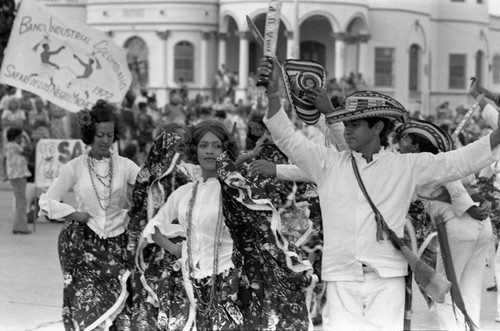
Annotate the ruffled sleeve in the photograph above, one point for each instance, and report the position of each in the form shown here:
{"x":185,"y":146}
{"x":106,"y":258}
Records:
{"x":166,"y":218}
{"x":50,"y":202}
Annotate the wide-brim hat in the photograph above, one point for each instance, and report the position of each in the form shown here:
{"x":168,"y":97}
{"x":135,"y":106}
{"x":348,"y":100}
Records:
{"x":430,"y":132}
{"x":364,"y":104}
{"x":299,"y":75}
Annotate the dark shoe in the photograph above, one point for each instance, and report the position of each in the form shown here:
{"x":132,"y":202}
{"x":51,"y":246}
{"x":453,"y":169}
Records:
{"x":21,"y":232}
{"x":492,"y":288}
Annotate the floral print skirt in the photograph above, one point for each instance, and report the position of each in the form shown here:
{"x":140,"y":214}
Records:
{"x":95,"y":279}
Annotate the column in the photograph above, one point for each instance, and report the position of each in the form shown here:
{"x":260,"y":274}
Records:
{"x":243,"y":67}
{"x":363,"y":60}
{"x":426,"y":59}
{"x":290,"y":45}
{"x":339,"y":54}
{"x":205,"y":36}
{"x":222,"y":49}
{"x":163,"y":35}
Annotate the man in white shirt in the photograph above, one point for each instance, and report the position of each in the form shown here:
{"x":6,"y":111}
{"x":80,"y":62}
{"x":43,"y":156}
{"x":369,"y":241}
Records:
{"x":365,"y":275}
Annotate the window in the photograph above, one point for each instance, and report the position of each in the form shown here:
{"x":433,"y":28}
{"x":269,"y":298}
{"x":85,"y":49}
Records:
{"x":184,"y":61}
{"x":414,"y":81}
{"x":479,"y":67}
{"x":457,"y":71}
{"x":496,"y":69}
{"x":384,"y":58}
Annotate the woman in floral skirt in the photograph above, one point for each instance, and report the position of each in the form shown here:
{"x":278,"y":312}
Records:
{"x":92,"y":243}
{"x":233,"y":268}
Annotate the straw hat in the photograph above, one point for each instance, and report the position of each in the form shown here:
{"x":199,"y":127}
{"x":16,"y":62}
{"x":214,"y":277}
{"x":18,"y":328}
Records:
{"x":298,"y":76}
{"x":429,"y":131}
{"x":365,"y":104}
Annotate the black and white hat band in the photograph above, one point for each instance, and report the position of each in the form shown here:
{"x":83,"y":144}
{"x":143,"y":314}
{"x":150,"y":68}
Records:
{"x":365,"y":104}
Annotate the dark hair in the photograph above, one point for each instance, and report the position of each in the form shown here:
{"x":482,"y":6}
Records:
{"x":172,"y":127}
{"x":195,"y":134}
{"x":205,"y":111}
{"x":423,"y":143}
{"x":102,"y":111}
{"x":388,"y":128}
{"x":13,"y":133}
{"x":220,"y":114}
{"x":256,"y":128}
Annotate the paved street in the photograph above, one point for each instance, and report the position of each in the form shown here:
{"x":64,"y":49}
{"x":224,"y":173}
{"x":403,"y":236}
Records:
{"x":31,"y":284}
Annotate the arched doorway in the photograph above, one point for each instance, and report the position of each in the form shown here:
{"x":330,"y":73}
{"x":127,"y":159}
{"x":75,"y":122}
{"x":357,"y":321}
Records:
{"x":317,"y":46}
{"x":313,"y":51}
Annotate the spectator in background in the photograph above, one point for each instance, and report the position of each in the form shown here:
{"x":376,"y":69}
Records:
{"x":360,"y":83}
{"x":152,"y":108}
{"x":13,"y":116}
{"x":145,"y":127}
{"x":16,"y":166}
{"x":205,"y":114}
{"x":57,"y":114}
{"x":173,"y":111}
{"x":183,"y":89}
{"x":234,"y":116}
{"x":221,"y":116}
{"x":260,"y":105}
{"x":128,"y":142}
{"x":194,"y":106}
{"x":219,"y":91}
{"x":10,"y":93}
{"x":39,"y":121}
{"x":207,"y":102}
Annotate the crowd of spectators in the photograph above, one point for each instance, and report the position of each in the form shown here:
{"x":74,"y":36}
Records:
{"x":143,"y":116}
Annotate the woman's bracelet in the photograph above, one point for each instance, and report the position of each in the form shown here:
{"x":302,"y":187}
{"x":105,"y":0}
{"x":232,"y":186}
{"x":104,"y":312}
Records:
{"x":273,"y":94}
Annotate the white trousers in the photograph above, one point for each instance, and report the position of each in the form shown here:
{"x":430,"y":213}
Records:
{"x":469,"y":242}
{"x":373,"y":304}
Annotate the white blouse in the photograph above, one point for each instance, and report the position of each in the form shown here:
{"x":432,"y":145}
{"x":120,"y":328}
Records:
{"x":206,"y":212}
{"x":75,"y":175}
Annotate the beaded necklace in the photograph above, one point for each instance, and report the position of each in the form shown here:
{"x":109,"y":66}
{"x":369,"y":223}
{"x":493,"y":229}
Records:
{"x":217,"y":243}
{"x":93,"y":173}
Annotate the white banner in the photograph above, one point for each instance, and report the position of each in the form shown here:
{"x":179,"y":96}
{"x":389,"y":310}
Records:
{"x":51,"y":155}
{"x":63,"y":61}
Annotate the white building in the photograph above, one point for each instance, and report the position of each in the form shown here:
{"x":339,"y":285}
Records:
{"x":422,"y":52}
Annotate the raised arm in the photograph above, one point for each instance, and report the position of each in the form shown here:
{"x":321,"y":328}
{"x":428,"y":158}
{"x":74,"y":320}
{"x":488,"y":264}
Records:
{"x":311,"y":157}
{"x":79,"y":60}
{"x":271,"y":72}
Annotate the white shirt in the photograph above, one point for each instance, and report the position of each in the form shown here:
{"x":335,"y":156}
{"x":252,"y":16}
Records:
{"x":75,"y":174}
{"x":490,"y":116}
{"x":348,"y":221}
{"x":460,"y":202}
{"x":205,"y":215}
